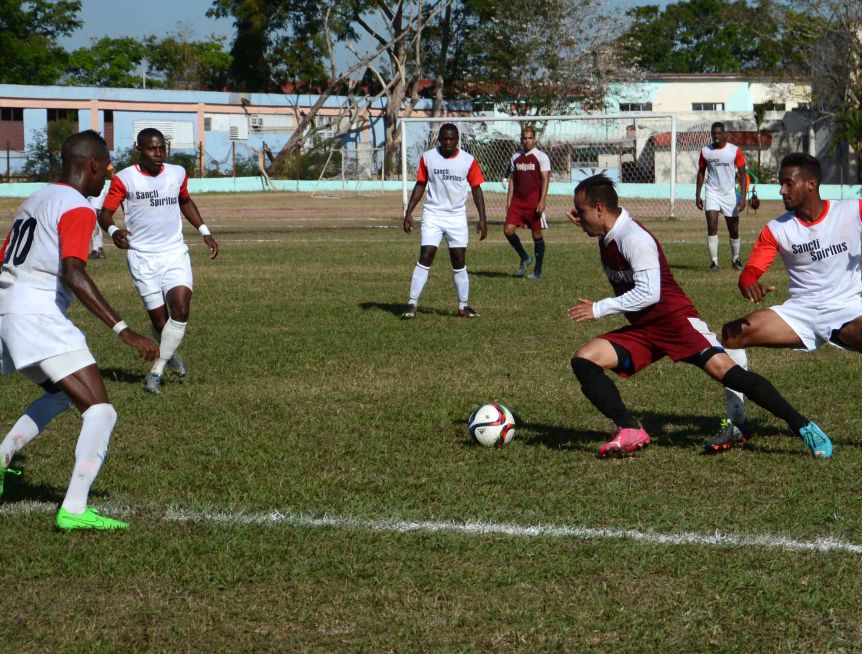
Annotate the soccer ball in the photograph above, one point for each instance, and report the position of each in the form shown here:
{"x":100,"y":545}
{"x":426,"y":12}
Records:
{"x":491,"y":425}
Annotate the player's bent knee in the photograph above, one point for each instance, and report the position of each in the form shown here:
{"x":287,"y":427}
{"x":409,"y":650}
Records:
{"x":584,"y":369}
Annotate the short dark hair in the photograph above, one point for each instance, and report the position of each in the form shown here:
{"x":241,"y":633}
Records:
{"x":599,"y":189}
{"x":808,"y":164}
{"x":717,"y":124}
{"x":81,"y":146}
{"x":148,"y":132}
{"x":447,"y":127}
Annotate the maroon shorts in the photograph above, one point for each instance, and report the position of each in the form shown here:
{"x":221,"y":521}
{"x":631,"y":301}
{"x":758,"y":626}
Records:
{"x":523,"y":214}
{"x":676,"y":336}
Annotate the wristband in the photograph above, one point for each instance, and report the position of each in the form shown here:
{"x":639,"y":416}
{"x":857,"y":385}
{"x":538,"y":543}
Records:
{"x":112,"y":229}
{"x":204,"y":230}
{"x":119,"y":327}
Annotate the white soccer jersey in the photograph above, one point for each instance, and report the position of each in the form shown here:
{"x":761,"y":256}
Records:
{"x":821,"y":258}
{"x":54,"y":223}
{"x":449,"y":181}
{"x":721,"y":165}
{"x":151,"y":206}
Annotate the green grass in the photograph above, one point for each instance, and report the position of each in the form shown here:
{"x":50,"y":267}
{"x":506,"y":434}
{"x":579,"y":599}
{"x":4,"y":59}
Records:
{"x":307,"y":395}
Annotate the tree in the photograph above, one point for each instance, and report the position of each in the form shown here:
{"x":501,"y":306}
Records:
{"x":42,"y":160}
{"x":847,"y":128}
{"x":178,"y":62}
{"x":107,"y":62}
{"x":28,"y":39}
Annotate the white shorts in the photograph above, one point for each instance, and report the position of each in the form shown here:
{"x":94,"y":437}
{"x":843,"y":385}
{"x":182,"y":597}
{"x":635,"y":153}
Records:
{"x":435,"y":228}
{"x":156,"y":273}
{"x":815,"y":325}
{"x":50,"y":343}
{"x":724,"y":204}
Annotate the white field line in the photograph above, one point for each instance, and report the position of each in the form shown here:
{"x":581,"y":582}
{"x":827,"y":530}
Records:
{"x":304,"y":520}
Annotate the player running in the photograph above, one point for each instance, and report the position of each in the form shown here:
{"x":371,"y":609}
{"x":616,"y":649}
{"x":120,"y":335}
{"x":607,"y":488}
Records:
{"x":819,"y":242}
{"x":663,"y":322}
{"x":155,"y":197}
{"x":44,"y":265}
{"x":720,"y":164}
{"x":449,"y":173}
{"x":529,"y":173}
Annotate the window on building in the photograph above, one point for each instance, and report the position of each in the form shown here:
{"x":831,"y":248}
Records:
{"x":707,"y":106}
{"x":12,"y":129}
{"x":626,"y":107}
{"x":62,"y":114}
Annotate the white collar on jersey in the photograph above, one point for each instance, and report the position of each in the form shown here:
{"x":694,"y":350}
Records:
{"x":620,"y":222}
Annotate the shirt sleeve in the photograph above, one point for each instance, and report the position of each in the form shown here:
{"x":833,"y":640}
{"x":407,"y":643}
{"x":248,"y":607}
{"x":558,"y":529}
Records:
{"x":474,"y":175}
{"x":740,"y":158}
{"x":701,"y":162}
{"x":762,"y":256}
{"x":116,"y":194}
{"x":640,"y":250}
{"x":422,"y":173}
{"x":184,"y":189}
{"x":75,"y":228}
{"x":544,"y":162}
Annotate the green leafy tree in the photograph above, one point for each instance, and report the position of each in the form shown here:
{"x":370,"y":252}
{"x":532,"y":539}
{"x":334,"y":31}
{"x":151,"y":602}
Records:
{"x":178,"y":62}
{"x":28,"y":39}
{"x":107,"y":62}
{"x":847,"y":128}
{"x":42,"y":158}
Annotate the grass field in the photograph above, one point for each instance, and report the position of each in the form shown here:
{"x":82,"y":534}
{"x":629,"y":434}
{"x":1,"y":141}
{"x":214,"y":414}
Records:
{"x":310,"y":486}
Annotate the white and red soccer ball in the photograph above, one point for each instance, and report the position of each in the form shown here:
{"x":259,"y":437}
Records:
{"x":491,"y":425}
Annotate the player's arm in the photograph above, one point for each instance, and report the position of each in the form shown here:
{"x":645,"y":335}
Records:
{"x":742,"y":176}
{"x":479,"y":201}
{"x":415,"y":197}
{"x":113,"y":200}
{"x":701,"y":178}
{"x":193,"y":215}
{"x":762,"y":256}
{"x":545,"y":170}
{"x":510,"y":192}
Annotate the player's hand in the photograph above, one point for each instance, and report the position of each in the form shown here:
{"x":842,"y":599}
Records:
{"x":572,"y":215}
{"x":408,"y":223}
{"x":540,"y":208}
{"x":740,"y":207}
{"x":582,"y":311}
{"x":482,"y":229}
{"x":756,"y":292}
{"x":121,"y":238}
{"x":699,"y":204}
{"x":145,"y":347}
{"x":212,"y":245}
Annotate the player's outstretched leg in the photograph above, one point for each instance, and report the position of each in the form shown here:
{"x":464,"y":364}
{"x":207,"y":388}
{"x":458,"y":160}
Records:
{"x":539,"y":244}
{"x":525,"y":259}
{"x":629,"y":436}
{"x":735,"y":428}
{"x":90,"y":453}
{"x":172,"y":335}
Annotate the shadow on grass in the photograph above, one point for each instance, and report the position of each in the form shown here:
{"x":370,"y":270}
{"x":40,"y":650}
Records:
{"x":489,"y":273}
{"x":123,"y":376}
{"x":398,"y":309}
{"x":16,"y":489}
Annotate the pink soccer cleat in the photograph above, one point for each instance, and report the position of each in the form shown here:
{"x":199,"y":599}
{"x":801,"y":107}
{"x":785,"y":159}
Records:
{"x":625,"y":441}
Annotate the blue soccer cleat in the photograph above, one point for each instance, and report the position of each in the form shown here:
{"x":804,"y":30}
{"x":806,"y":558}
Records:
{"x":816,"y":440}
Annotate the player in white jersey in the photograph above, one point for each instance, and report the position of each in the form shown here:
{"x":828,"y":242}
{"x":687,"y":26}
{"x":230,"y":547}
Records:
{"x":44,"y":265}
{"x":155,"y":198}
{"x":720,"y":164}
{"x":448,"y":173}
{"x":819,"y":243}
{"x":97,"y":243}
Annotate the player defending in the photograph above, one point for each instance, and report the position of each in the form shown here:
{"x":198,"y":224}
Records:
{"x":530,"y":173}
{"x":663,"y":322}
{"x":44,"y":264}
{"x":721,"y":163}
{"x":155,"y":197}
{"x":449,"y":173}
{"x":819,"y":242}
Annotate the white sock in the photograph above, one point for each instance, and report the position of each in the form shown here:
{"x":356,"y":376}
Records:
{"x":36,"y":416}
{"x":172,"y":336}
{"x":712,"y":242}
{"x":462,"y":286}
{"x":420,"y":276}
{"x":90,"y":452}
{"x":734,"y":400}
{"x":734,"y":249}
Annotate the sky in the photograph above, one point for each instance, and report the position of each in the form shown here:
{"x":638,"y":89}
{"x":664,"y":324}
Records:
{"x":137,"y":18}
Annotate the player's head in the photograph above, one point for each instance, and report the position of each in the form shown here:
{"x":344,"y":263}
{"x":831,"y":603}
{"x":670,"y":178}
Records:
{"x":596,"y":205}
{"x":448,"y":138}
{"x":150,"y":145}
{"x":85,"y":160}
{"x":716,"y":133}
{"x":528,"y":137}
{"x":799,"y":178}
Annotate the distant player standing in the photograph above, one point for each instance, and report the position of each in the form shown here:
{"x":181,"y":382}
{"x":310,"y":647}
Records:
{"x":155,"y":197}
{"x":819,"y":242}
{"x":449,"y":173}
{"x":97,"y":244}
{"x":663,"y":321}
{"x":720,"y":164}
{"x":44,"y":264}
{"x":530,"y":173}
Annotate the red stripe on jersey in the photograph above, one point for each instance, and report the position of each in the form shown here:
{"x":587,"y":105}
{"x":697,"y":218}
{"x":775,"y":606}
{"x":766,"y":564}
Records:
{"x":5,"y":245}
{"x":116,"y":194}
{"x":184,"y":189}
{"x":701,"y":163}
{"x":474,"y":175}
{"x":740,"y":159}
{"x":860,"y":218}
{"x":761,"y":257}
{"x":75,"y":228}
{"x":422,"y":173}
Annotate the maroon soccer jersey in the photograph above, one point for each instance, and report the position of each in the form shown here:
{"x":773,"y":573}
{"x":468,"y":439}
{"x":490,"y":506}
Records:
{"x":526,"y":170}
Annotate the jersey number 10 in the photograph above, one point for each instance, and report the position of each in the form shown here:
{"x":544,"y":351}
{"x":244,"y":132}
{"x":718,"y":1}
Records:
{"x":21,"y":241}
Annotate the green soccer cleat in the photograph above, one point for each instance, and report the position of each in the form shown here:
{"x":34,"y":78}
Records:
{"x":816,"y":440}
{"x":4,"y":472}
{"x":89,"y":519}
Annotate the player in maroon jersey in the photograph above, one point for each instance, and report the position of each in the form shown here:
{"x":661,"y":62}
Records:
{"x":663,"y":322}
